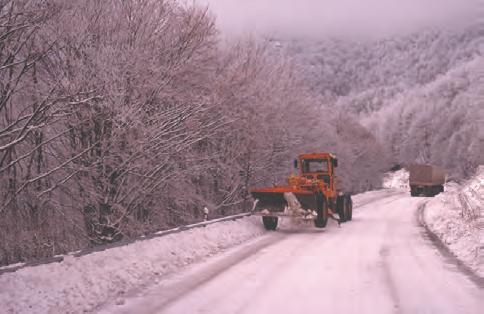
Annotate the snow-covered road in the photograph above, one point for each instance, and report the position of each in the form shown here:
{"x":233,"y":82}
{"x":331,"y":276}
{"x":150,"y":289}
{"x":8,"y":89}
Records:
{"x":381,"y":262}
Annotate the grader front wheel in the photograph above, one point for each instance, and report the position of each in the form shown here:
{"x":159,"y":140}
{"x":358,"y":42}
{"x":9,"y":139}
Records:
{"x":322,"y":210}
{"x":270,"y":223}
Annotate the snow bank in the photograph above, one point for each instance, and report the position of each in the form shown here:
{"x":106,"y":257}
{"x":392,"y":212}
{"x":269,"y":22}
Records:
{"x":79,"y":285}
{"x":456,"y":217}
{"x":396,"y":180}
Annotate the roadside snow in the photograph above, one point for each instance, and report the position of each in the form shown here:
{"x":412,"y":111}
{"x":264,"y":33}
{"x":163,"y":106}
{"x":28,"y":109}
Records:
{"x":396,"y":180}
{"x":78,"y":285}
{"x":457,"y":218}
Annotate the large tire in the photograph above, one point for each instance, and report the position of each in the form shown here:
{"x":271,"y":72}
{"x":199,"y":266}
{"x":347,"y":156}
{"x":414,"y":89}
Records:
{"x":341,"y":208}
{"x":429,"y":191}
{"x":436,"y":190}
{"x":322,"y":210}
{"x":349,"y":207}
{"x":413,"y":192}
{"x":270,"y":223}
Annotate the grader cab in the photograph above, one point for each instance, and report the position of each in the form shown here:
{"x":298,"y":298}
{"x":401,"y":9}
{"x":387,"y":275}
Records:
{"x":311,"y":195}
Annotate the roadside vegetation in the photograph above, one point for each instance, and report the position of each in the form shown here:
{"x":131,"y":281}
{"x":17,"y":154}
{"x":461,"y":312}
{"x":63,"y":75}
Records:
{"x":120,"y":118}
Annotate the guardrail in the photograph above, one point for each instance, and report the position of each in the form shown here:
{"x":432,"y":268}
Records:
{"x":60,"y":258}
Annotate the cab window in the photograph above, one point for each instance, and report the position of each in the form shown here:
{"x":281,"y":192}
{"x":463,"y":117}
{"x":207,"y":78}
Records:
{"x":315,"y":165}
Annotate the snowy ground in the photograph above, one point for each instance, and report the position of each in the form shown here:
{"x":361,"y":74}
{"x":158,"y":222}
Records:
{"x":377,"y":263}
{"x":396,"y":180}
{"x":82,"y":284}
{"x":79,"y":285}
{"x":457,"y":218}
{"x":379,"y":260}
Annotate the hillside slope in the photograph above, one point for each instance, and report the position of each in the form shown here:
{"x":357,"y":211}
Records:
{"x":420,"y":94}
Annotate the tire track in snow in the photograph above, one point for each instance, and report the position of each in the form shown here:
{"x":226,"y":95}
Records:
{"x":213,"y":270}
{"x":388,"y":278}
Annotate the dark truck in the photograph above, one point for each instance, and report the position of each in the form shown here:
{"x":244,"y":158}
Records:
{"x":426,"y":180}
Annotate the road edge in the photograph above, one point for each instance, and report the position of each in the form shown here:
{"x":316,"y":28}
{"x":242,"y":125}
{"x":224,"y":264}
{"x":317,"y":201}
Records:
{"x":445,"y":251}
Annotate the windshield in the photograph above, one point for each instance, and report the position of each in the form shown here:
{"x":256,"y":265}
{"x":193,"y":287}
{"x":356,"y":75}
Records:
{"x":315,"y":165}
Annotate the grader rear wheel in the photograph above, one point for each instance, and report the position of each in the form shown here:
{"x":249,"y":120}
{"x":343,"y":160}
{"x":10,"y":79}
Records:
{"x":341,"y":208}
{"x":349,"y":207}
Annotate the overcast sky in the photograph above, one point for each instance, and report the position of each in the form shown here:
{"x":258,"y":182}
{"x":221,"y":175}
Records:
{"x":316,"y":17}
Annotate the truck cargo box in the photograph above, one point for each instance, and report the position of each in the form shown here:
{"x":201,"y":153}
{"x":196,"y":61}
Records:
{"x":426,"y":175}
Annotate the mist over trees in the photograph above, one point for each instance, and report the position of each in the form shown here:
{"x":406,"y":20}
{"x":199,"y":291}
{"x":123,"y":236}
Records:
{"x":419,"y":94}
{"x":119,"y":118}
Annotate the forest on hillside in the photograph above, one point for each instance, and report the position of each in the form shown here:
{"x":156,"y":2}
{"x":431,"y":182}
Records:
{"x":420,"y":94}
{"x":120,"y":118}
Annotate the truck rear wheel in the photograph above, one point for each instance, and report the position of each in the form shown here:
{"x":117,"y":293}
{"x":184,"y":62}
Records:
{"x":270,"y":223}
{"x":435,"y":190}
{"x":413,"y":191}
{"x":322,"y":210}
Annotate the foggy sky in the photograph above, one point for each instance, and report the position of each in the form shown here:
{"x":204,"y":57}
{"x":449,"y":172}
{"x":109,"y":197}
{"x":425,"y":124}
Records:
{"x":316,"y":17}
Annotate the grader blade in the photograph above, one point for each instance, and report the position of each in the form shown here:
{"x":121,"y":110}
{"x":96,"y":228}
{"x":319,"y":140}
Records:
{"x":277,"y":199}
{"x":271,"y":201}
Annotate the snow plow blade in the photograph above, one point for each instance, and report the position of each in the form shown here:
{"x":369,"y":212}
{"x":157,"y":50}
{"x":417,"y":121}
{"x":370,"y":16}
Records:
{"x":273,"y":199}
{"x":304,"y":216}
